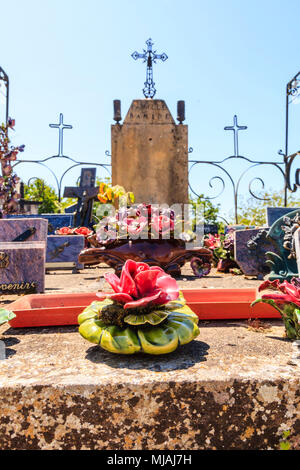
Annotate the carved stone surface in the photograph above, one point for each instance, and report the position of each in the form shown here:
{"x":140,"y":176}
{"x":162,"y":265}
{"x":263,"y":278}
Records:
{"x":55,"y":221}
{"x":275,"y":213}
{"x":282,"y":260}
{"x":22,"y":267}
{"x":297,"y":247}
{"x":64,"y":249}
{"x":13,"y":228}
{"x":250,"y":248}
{"x":170,"y":255}
{"x":150,"y":154}
{"x":230,"y":389}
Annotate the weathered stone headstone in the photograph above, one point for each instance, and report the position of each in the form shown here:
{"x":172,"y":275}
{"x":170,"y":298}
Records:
{"x":211,"y":228}
{"x":55,"y":221}
{"x":297,"y":247}
{"x":282,"y":259}
{"x":237,"y":227}
{"x":275,"y":213}
{"x":63,"y":251}
{"x":22,"y":267}
{"x":23,"y":229}
{"x":150,"y":154}
{"x":250,"y":248}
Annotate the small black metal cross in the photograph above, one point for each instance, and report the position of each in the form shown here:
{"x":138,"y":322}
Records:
{"x":150,"y":57}
{"x":86,"y":194}
{"x":61,"y":126}
{"x":235,"y":128}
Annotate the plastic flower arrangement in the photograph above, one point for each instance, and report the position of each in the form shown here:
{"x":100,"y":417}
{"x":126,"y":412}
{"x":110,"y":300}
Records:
{"x":145,"y":313}
{"x":143,"y":221}
{"x":108,"y":194}
{"x":222,"y":247}
{"x":286,"y":301}
{"x":86,"y":232}
{"x":8,"y":180}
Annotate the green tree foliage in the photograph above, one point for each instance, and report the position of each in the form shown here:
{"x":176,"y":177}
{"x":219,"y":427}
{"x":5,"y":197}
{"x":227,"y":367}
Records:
{"x":205,"y":210}
{"x":38,"y":190}
{"x":253,"y":211}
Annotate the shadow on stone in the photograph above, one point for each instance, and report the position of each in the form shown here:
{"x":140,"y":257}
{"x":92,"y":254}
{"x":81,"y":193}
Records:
{"x":10,"y":341}
{"x":183,"y":358}
{"x":47,"y":330}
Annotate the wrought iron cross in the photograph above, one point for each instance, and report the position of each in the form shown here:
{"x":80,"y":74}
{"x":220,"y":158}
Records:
{"x":235,"y":128}
{"x":61,"y":127}
{"x":150,"y":57}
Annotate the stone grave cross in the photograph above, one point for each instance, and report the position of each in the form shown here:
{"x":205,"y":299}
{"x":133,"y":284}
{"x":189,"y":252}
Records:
{"x":86,"y":193}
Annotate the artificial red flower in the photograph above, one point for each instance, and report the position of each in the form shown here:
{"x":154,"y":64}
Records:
{"x":290,"y":291}
{"x":65,"y":231}
{"x":83,"y":231}
{"x":140,"y":286}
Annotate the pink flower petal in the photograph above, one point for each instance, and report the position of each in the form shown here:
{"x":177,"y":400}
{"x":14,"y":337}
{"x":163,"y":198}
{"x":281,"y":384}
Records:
{"x":168,"y":285}
{"x":143,"y":301}
{"x":127,"y":283}
{"x":121,"y":298}
{"x":146,"y":282}
{"x":113,"y":281}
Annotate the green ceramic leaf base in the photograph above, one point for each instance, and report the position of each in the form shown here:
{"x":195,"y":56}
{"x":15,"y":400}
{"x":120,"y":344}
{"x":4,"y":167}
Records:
{"x":162,"y":333}
{"x":6,"y":315}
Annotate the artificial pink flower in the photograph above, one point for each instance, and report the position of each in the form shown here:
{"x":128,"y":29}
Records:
{"x":290,"y":291}
{"x":141,"y":285}
{"x":135,"y":226}
{"x":162,"y":224}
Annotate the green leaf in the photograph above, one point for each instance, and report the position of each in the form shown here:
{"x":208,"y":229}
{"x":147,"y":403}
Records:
{"x":268,"y":301}
{"x":285,"y":445}
{"x":6,"y":315}
{"x":153,"y":318}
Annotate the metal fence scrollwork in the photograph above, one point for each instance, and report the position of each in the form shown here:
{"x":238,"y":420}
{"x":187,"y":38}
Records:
{"x":74,"y":163}
{"x":284,"y":167}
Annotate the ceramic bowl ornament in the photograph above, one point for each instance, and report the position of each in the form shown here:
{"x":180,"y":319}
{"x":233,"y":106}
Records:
{"x":146,"y":313}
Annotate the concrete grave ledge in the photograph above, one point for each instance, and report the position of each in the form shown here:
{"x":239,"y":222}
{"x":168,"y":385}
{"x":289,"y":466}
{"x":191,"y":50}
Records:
{"x":233,"y":388}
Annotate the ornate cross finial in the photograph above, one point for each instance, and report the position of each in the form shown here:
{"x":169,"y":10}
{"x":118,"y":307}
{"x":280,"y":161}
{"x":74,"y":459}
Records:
{"x":61,"y":126}
{"x":235,"y":128}
{"x":150,"y":57}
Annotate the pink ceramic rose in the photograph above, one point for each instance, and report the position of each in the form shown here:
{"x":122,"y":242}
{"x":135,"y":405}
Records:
{"x":140,"y":286}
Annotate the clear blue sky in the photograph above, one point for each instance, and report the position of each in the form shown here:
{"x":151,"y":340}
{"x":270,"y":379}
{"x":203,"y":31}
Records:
{"x":225,"y":58}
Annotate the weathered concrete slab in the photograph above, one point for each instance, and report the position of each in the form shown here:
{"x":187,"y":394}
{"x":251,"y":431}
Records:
{"x":233,"y":388}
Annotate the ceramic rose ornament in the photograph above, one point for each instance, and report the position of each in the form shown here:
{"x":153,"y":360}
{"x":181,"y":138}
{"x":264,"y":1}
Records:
{"x":145,"y":313}
{"x":286,"y":300}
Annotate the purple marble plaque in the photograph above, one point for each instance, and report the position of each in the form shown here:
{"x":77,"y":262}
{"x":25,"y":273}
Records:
{"x":250,"y":248}
{"x":63,"y":251}
{"x":31,"y":229}
{"x":22,"y":267}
